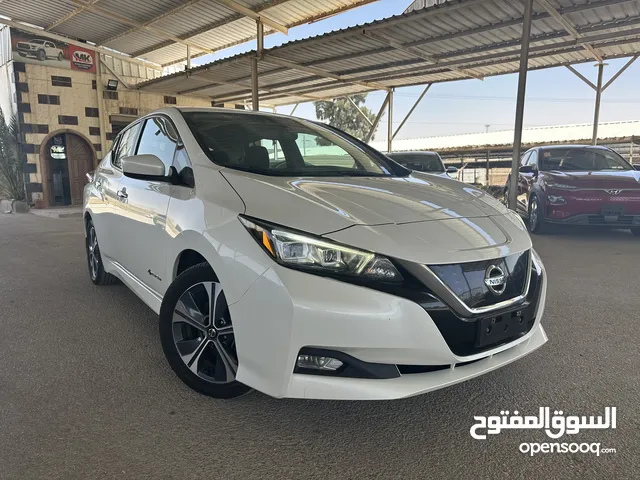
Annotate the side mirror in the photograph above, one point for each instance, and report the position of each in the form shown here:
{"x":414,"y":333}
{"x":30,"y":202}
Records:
{"x":526,"y":169}
{"x":144,"y":167}
{"x":452,"y":169}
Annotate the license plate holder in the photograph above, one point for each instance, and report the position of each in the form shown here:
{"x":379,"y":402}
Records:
{"x":496,"y":328}
{"x":612,"y":210}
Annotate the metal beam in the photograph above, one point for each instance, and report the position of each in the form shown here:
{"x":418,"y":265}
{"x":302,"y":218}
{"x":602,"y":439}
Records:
{"x":269,"y":58}
{"x":413,"y":51}
{"x":522,"y":88}
{"x":372,"y":130}
{"x":596,"y":113}
{"x":581,"y":77}
{"x":236,"y":7}
{"x":620,"y":72}
{"x":568,"y":27}
{"x":359,"y":111}
{"x":69,"y":16}
{"x":390,"y":124}
{"x":188,"y":65}
{"x":424,"y":92}
{"x":127,"y":21}
{"x":294,"y":109}
{"x":101,"y":110}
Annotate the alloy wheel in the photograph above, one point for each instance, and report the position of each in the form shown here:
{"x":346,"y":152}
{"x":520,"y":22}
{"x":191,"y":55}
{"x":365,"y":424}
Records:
{"x":533,"y":213}
{"x":93,"y":252}
{"x":203,"y":333}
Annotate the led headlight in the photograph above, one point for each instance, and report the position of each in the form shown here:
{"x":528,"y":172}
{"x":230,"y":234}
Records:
{"x":561,"y":186}
{"x":297,"y":250}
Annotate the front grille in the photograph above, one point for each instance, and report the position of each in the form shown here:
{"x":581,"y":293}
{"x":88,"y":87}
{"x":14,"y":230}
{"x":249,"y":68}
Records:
{"x":467,"y":280}
{"x":461,"y":334}
{"x":600,"y":219}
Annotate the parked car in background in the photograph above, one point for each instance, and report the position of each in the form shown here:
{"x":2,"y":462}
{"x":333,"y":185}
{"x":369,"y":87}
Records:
{"x":578,"y":185}
{"x":334,"y":274}
{"x":428,"y":162}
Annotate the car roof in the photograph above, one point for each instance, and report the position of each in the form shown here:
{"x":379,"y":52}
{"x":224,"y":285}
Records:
{"x":571,"y":146}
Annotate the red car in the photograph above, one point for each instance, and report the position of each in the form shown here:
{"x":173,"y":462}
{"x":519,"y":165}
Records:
{"x":578,"y":185}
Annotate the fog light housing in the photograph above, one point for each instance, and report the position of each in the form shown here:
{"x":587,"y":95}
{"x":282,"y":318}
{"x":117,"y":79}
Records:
{"x":314,"y":362}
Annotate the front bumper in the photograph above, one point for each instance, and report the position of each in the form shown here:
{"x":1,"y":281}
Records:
{"x":286,"y":310}
{"x":598,"y":220}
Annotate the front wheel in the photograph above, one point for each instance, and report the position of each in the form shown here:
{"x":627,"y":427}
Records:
{"x":536,"y":216}
{"x":197,"y":335}
{"x":60,"y":57}
{"x":94,"y":259}
{"x":42,"y":55}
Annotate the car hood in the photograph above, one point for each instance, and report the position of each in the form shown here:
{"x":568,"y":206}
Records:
{"x":321,"y":205}
{"x":605,"y":179}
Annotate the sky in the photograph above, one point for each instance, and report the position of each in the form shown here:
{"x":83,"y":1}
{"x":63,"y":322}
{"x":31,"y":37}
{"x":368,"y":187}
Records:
{"x":554,"y":96}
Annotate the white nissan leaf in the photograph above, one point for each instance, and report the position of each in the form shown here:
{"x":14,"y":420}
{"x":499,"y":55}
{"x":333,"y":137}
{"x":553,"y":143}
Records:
{"x":286,"y":256}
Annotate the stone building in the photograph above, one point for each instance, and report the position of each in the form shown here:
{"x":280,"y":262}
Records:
{"x":71,"y":101}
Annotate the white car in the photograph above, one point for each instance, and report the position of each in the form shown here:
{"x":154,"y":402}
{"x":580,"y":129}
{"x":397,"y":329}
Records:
{"x":39,"y":48}
{"x":275,"y":266}
{"x":424,"y":161}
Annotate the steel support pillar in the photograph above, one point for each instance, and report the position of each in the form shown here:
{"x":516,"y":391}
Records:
{"x":596,"y":112}
{"x":522,"y":88}
{"x":294,"y":109}
{"x":188,"y":57}
{"x":372,"y":130}
{"x":390,"y":126}
{"x":101,"y":109}
{"x":424,"y":92}
{"x":255,"y":96}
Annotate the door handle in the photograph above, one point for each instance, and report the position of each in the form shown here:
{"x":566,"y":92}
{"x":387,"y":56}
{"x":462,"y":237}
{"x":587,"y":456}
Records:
{"x":98,"y":183}
{"x":122,"y":194}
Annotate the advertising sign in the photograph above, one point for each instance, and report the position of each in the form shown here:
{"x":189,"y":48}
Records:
{"x":40,"y":50}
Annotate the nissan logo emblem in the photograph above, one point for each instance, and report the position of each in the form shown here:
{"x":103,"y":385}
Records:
{"x":495,"y":280}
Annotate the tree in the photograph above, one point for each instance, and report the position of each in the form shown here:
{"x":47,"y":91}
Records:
{"x":342,"y":114}
{"x":11,"y":168}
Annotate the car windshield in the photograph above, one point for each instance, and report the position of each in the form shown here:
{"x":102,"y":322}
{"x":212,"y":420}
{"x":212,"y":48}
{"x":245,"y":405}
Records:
{"x":581,"y":159}
{"x":277,"y":145}
{"x":422,"y":162}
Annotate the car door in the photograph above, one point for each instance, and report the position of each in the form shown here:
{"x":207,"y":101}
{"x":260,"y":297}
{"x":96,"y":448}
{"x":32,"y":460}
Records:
{"x":50,"y":49}
{"x":108,"y":178}
{"x":523,"y":185}
{"x":143,"y":208}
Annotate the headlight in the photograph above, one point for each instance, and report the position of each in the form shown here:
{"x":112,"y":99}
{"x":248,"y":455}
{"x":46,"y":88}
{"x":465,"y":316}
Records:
{"x":305,"y":252}
{"x":561,"y":186}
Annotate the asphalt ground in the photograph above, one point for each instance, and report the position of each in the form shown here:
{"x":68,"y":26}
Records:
{"x":85,"y":392}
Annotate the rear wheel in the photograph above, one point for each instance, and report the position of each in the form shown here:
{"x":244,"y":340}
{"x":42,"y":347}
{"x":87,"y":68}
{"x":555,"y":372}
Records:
{"x":42,"y":55}
{"x":197,"y":334}
{"x":536,"y":215}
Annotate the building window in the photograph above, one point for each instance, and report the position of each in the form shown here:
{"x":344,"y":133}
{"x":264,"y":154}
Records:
{"x":93,"y":84}
{"x":91,"y":112}
{"x":240,"y":107}
{"x":60,"y":81}
{"x":41,"y":128}
{"x":67,"y":120}
{"x":24,"y":107}
{"x":22,"y":87}
{"x":170,"y":100}
{"x":94,"y":130}
{"x":49,"y":99}
{"x":128,"y":111}
{"x":109,"y":95}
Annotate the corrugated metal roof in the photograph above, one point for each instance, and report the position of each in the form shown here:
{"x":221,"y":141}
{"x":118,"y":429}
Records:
{"x":148,"y":30}
{"x":530,"y":136}
{"x":454,"y":40}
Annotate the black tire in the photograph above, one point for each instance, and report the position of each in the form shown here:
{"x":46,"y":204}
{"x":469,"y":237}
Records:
{"x":60,"y":57}
{"x":536,"y":215}
{"x":94,"y":259}
{"x":635,"y":232}
{"x":205,"y":361}
{"x":42,"y":55}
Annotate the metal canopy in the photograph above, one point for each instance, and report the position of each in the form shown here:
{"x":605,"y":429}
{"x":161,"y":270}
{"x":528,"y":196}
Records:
{"x":456,"y":40}
{"x":160,"y":31}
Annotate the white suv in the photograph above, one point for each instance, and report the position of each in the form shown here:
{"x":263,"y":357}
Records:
{"x":284,"y":255}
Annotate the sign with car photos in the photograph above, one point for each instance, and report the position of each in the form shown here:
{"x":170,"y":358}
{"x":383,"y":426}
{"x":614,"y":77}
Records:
{"x":40,"y":50}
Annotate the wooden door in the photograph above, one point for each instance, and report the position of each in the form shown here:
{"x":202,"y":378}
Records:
{"x":80,"y":158}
